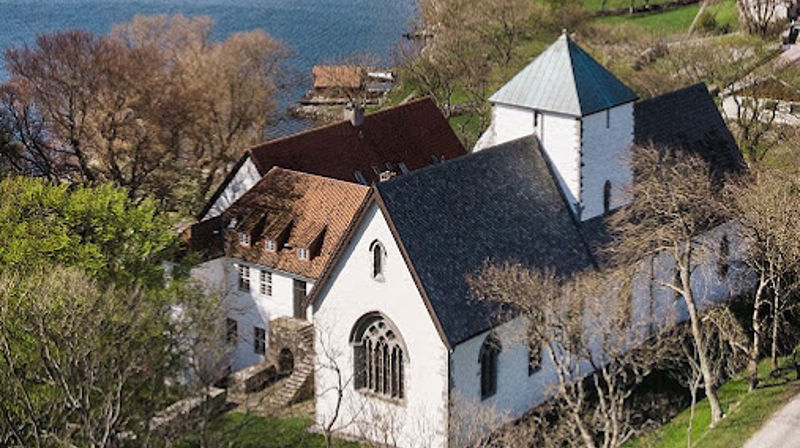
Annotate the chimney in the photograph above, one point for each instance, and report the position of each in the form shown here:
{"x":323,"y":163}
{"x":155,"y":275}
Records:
{"x":354,"y":112}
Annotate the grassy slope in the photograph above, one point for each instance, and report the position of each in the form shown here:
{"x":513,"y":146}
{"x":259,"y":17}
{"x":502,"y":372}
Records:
{"x":248,"y":431}
{"x":594,"y":5}
{"x":678,"y":20}
{"x":745,"y":413}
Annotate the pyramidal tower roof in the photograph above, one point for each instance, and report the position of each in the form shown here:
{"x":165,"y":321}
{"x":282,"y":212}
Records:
{"x":564,"y":79}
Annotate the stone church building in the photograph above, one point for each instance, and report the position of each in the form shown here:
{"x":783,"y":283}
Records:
{"x":392,"y":310}
{"x":400,"y":350}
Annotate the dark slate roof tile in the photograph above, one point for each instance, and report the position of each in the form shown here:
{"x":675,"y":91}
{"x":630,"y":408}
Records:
{"x":500,"y":204}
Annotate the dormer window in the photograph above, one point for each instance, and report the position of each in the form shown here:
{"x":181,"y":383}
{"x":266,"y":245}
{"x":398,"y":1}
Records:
{"x":378,"y":257}
{"x":269,"y":245}
{"x":244,"y":239}
{"x":302,"y":253}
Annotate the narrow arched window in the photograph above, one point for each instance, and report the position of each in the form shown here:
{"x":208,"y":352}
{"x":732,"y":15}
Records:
{"x":378,"y":357}
{"x":378,"y":259}
{"x":489,"y":354}
{"x":607,"y":197}
{"x":723,"y":257}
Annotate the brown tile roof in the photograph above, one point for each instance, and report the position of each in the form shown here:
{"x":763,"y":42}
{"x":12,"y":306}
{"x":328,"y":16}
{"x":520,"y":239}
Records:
{"x":413,"y":134}
{"x":338,"y":76}
{"x":300,"y":210}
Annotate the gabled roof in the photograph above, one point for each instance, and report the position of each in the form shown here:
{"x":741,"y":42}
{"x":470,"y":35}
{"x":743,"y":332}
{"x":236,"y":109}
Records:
{"x":564,"y":79}
{"x":690,"y":120}
{"x":338,"y":76}
{"x":308,"y":206}
{"x":500,"y":204}
{"x":686,"y":119}
{"x":412,"y":134}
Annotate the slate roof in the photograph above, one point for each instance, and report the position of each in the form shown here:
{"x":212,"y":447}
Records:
{"x":688,"y":119}
{"x":415,"y":134}
{"x":564,"y":79}
{"x":500,"y":204}
{"x":309,"y":206}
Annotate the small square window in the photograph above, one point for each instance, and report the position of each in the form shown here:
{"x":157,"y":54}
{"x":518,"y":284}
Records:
{"x":265,"y":283}
{"x":244,"y":239}
{"x":244,"y":277}
{"x":259,"y":340}
{"x":302,"y":253}
{"x":231,"y":331}
{"x":269,"y":245}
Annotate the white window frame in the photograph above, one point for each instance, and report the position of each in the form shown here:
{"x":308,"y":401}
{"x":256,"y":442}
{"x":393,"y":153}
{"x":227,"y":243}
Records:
{"x":302,"y":253}
{"x":269,"y":245}
{"x":265,"y":283}
{"x":244,"y":239}
{"x":244,"y":277}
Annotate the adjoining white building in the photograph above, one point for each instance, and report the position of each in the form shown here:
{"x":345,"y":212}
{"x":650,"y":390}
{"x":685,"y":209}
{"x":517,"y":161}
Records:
{"x":392,"y":309}
{"x":271,"y":226}
{"x":266,"y":250}
{"x":358,"y":149}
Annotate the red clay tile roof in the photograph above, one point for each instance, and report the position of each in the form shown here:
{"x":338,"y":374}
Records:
{"x":314,"y":210}
{"x":413,"y":134}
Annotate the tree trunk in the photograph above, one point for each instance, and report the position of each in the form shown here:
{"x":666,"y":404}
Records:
{"x":697,"y":17}
{"x":776,"y":317}
{"x":697,"y":334}
{"x":752,"y":366}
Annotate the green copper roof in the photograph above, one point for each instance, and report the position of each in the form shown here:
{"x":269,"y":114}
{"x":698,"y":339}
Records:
{"x":564,"y":79}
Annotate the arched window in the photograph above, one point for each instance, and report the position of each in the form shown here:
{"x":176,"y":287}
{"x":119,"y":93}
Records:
{"x":490,"y":350}
{"x":378,"y":259}
{"x":723,"y":257}
{"x":378,"y":357}
{"x":607,"y":196}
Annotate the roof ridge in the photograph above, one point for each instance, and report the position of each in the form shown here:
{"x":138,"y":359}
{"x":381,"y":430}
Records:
{"x":574,"y":82}
{"x":338,"y":123}
{"x":315,"y":177}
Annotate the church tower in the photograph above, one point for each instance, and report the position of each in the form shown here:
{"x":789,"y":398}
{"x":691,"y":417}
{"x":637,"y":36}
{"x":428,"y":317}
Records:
{"x":583,"y":117}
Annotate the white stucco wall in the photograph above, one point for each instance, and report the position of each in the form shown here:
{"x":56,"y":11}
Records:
{"x":652,"y":304}
{"x":560,"y":137}
{"x":508,"y":123}
{"x":606,"y":156}
{"x":421,"y":419}
{"x":249,"y":309}
{"x":245,"y":178}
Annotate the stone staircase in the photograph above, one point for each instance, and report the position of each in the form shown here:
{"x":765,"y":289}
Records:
{"x":299,"y":385}
{"x":269,"y":388}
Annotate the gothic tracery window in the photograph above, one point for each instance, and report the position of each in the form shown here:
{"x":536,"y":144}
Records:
{"x":379,"y":357}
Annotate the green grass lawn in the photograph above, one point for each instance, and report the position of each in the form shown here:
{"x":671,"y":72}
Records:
{"x":678,"y":20}
{"x":594,"y":5}
{"x":249,"y":431}
{"x":745,"y":413}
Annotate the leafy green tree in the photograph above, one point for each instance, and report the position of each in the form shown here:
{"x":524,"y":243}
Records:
{"x":96,"y":228}
{"x":81,"y":363}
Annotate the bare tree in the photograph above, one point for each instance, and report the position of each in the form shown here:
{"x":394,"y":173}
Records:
{"x":586,"y":326}
{"x":768,"y":217}
{"x":675,"y":202}
{"x":758,"y":15}
{"x":155,"y":106}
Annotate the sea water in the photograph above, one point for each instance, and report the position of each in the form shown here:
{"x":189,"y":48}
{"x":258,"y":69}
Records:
{"x":316,"y":31}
